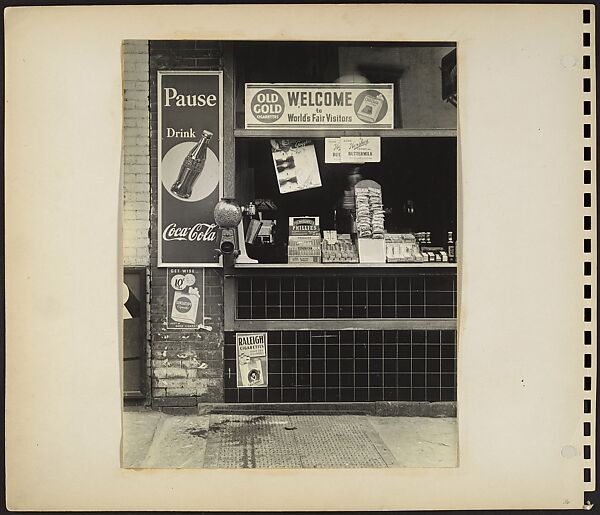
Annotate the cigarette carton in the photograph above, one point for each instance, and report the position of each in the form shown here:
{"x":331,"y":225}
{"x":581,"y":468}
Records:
{"x":304,"y":243}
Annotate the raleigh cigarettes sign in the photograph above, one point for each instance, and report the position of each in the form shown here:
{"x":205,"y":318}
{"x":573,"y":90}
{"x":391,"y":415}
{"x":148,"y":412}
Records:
{"x":190,"y":168}
{"x":319,"y":106}
{"x":251,"y":353}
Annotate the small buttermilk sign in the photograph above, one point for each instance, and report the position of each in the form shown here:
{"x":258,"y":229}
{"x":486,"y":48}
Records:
{"x":190,"y":166}
{"x":319,"y":106}
{"x":353,"y":149}
{"x":251,"y":357}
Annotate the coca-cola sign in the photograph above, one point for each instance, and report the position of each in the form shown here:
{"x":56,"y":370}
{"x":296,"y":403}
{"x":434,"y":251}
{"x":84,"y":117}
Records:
{"x":199,"y":232}
{"x":190,"y":170}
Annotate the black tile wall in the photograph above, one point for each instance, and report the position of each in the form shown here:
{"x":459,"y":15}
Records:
{"x":345,"y":366}
{"x":346,"y":297}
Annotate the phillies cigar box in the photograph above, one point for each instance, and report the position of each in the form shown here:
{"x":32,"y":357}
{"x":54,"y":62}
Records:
{"x":304,"y":243}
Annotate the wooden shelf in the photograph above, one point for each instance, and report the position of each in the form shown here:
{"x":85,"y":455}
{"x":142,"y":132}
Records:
{"x":312,"y":133}
{"x":345,"y":265}
{"x":342,"y":324}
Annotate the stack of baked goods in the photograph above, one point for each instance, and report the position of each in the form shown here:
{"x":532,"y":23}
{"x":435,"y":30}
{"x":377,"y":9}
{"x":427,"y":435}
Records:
{"x":363,"y":212}
{"x":369,"y":210}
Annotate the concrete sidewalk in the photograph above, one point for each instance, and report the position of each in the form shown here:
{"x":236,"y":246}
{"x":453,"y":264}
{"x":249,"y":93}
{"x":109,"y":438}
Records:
{"x":156,"y":440}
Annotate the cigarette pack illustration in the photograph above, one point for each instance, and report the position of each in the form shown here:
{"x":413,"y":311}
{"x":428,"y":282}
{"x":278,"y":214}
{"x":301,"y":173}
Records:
{"x":370,"y":107}
{"x":251,"y":372}
{"x":185,"y":306}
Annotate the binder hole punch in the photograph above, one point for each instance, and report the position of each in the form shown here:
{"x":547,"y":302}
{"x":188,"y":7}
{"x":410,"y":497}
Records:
{"x":568,"y":451}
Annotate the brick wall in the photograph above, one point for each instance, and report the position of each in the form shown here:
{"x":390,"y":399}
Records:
{"x":187,"y":366}
{"x":136,"y":151}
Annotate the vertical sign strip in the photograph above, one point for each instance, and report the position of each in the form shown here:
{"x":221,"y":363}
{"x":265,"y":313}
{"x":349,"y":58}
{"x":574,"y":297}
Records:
{"x":190,"y":166}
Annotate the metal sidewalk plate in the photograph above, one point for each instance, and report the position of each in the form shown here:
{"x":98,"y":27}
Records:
{"x":294,"y":441}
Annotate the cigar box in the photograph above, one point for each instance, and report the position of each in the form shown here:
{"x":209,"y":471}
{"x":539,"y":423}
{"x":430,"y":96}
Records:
{"x":304,"y":249}
{"x":304,"y":242}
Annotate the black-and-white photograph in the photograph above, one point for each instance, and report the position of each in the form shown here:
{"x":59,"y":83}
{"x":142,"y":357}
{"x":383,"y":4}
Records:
{"x":288,"y":245}
{"x":290,"y":236}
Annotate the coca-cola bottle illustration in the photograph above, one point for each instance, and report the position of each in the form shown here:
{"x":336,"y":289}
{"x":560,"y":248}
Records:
{"x":192,"y":167}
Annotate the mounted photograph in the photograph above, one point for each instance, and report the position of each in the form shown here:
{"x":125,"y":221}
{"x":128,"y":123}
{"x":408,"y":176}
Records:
{"x":291,"y":244}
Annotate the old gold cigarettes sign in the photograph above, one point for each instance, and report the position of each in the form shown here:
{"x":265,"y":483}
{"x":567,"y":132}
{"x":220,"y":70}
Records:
{"x":319,"y":106}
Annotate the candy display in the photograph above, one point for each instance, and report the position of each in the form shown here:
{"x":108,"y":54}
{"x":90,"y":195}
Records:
{"x":227,"y":213}
{"x":438,"y":254}
{"x":402,"y":248}
{"x":338,"y":248}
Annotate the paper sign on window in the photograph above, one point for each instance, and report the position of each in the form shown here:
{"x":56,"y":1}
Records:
{"x":353,"y":149}
{"x":251,"y":357}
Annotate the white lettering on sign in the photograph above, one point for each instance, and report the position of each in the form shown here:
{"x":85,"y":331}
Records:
{"x":360,"y":149}
{"x":319,"y":98}
{"x":201,"y":100}
{"x":266,"y":103}
{"x":199,"y":232}
{"x":251,"y":345}
{"x":176,"y":133}
{"x":254,"y":340}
